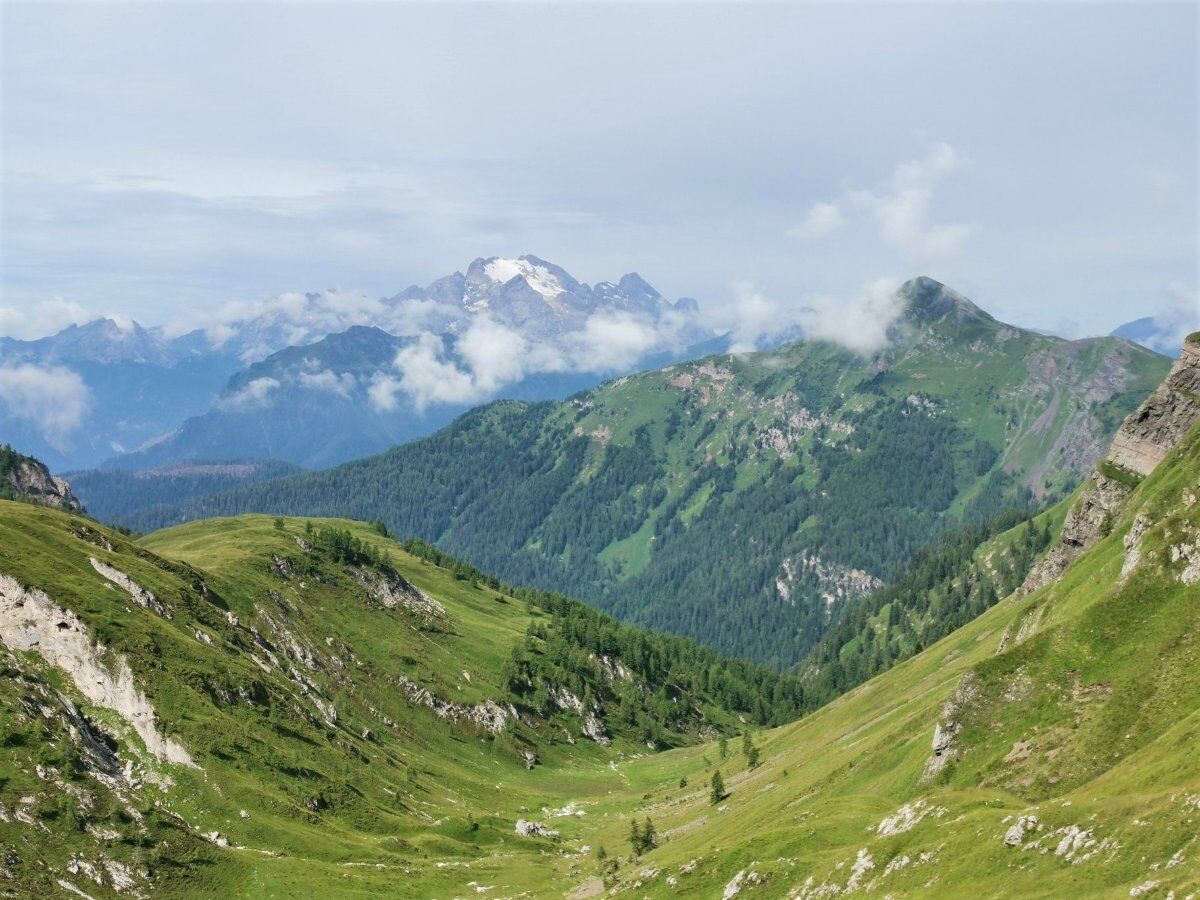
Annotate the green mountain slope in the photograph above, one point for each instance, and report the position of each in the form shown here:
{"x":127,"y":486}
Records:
{"x":1046,"y":749}
{"x":743,"y":500}
{"x":252,"y":707}
{"x":246,"y":706}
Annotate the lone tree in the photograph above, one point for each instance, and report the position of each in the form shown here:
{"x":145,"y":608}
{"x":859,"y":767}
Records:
{"x":717,"y":794}
{"x":752,"y":757}
{"x":649,"y":838}
{"x":723,"y":747}
{"x":747,"y":745}
{"x":635,"y":837}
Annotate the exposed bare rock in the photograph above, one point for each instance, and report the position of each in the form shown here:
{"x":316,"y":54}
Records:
{"x":1147,"y":436}
{"x":593,"y":727}
{"x":390,"y":590}
{"x":29,"y":479}
{"x":527,"y":828}
{"x":945,"y":733}
{"x":1132,"y":543}
{"x":907,"y":817}
{"x":489,"y":715}
{"x":137,"y":593}
{"x":31,"y":622}
{"x":837,"y":583}
{"x":1016,"y":833}
{"x":1142,"y":442}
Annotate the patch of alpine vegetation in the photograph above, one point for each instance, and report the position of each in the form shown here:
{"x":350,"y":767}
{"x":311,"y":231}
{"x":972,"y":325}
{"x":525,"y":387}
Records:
{"x":276,"y":698}
{"x":748,"y":501}
{"x":1044,"y":748}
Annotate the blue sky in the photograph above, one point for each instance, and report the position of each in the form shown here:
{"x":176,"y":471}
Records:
{"x":160,"y":159}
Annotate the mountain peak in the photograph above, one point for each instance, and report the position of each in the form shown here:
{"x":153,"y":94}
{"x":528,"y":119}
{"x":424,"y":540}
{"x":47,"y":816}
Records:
{"x":927,"y":300}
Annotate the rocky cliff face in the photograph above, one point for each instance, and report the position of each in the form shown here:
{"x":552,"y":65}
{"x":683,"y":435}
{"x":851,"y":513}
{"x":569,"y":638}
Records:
{"x":25,"y":478}
{"x":1143,"y":441}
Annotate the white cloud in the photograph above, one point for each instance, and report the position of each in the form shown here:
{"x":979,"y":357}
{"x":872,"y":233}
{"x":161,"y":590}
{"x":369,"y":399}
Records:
{"x":45,"y":317}
{"x":255,"y":393}
{"x":329,"y":382}
{"x":859,"y":321}
{"x":54,"y":399}
{"x":489,"y":356}
{"x":823,"y":219}
{"x":612,"y":342}
{"x":293,"y":318}
{"x":901,"y":210}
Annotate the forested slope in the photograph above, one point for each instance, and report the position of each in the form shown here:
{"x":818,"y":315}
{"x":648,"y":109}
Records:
{"x":745,"y":500}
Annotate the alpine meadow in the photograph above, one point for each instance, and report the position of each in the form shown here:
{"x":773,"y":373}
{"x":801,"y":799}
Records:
{"x":818,"y":518}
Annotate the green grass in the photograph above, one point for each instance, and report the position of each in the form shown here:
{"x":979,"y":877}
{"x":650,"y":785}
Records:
{"x":1091,"y":723}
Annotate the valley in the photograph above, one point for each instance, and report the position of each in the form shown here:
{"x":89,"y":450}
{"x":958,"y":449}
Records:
{"x":264,"y":705}
{"x":746,"y":500}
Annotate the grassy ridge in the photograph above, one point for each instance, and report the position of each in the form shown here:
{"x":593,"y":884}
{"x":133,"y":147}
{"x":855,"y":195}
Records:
{"x":694,"y":499}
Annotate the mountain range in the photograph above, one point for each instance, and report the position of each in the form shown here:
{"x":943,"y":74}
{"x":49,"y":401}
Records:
{"x":118,"y":394}
{"x":744,"y":500}
{"x":291,"y":706}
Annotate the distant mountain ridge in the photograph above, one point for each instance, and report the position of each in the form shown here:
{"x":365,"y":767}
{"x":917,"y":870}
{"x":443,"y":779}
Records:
{"x":744,"y":500}
{"x":132,"y":386}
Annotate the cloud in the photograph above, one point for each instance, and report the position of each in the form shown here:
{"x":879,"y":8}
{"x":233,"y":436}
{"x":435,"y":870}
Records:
{"x":329,"y":382}
{"x":255,"y":393}
{"x":294,"y":318}
{"x":858,"y":321}
{"x":823,"y":219}
{"x":34,"y":320}
{"x":490,"y":356}
{"x":54,"y":399}
{"x":900,"y":210}
{"x":612,"y":342}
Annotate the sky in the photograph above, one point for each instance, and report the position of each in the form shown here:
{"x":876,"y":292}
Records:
{"x":159,"y":160}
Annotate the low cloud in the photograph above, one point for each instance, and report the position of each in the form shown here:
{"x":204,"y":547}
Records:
{"x":45,"y":317}
{"x":900,"y":209}
{"x":54,"y":399}
{"x":255,"y":393}
{"x":328,"y":382}
{"x":489,"y":356}
{"x":858,"y":321}
{"x":293,"y":318}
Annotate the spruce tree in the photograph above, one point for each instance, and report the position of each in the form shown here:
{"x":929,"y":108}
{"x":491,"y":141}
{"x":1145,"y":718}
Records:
{"x":635,"y":837}
{"x":717,"y":794}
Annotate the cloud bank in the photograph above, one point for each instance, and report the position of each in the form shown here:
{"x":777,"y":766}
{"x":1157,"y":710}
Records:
{"x":859,"y":320}
{"x":54,"y":399}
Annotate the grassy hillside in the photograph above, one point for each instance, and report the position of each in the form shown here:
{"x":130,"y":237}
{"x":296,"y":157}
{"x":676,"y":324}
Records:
{"x":745,"y":500}
{"x":1046,"y":748}
{"x":248,"y":706}
{"x":1078,"y":705}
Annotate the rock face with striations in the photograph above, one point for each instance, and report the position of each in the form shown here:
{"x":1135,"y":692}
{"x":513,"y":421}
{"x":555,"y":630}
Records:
{"x":25,"y":478}
{"x":1142,"y":442}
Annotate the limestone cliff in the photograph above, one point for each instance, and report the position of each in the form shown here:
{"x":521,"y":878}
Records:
{"x":25,"y":478}
{"x":1142,"y":442}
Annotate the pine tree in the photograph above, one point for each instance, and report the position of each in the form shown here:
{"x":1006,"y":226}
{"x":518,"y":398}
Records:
{"x":717,"y":794}
{"x":747,"y":746}
{"x":752,"y":758}
{"x":723,"y":747}
{"x":635,"y":837}
{"x":649,"y":838}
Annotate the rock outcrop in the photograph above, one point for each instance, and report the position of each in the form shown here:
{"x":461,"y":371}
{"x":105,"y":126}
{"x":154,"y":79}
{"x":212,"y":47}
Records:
{"x":1142,"y":442}
{"x":25,"y":478}
{"x":31,"y":622}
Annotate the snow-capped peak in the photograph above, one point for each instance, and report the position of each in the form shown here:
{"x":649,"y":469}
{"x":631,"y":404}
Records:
{"x":537,"y":277}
